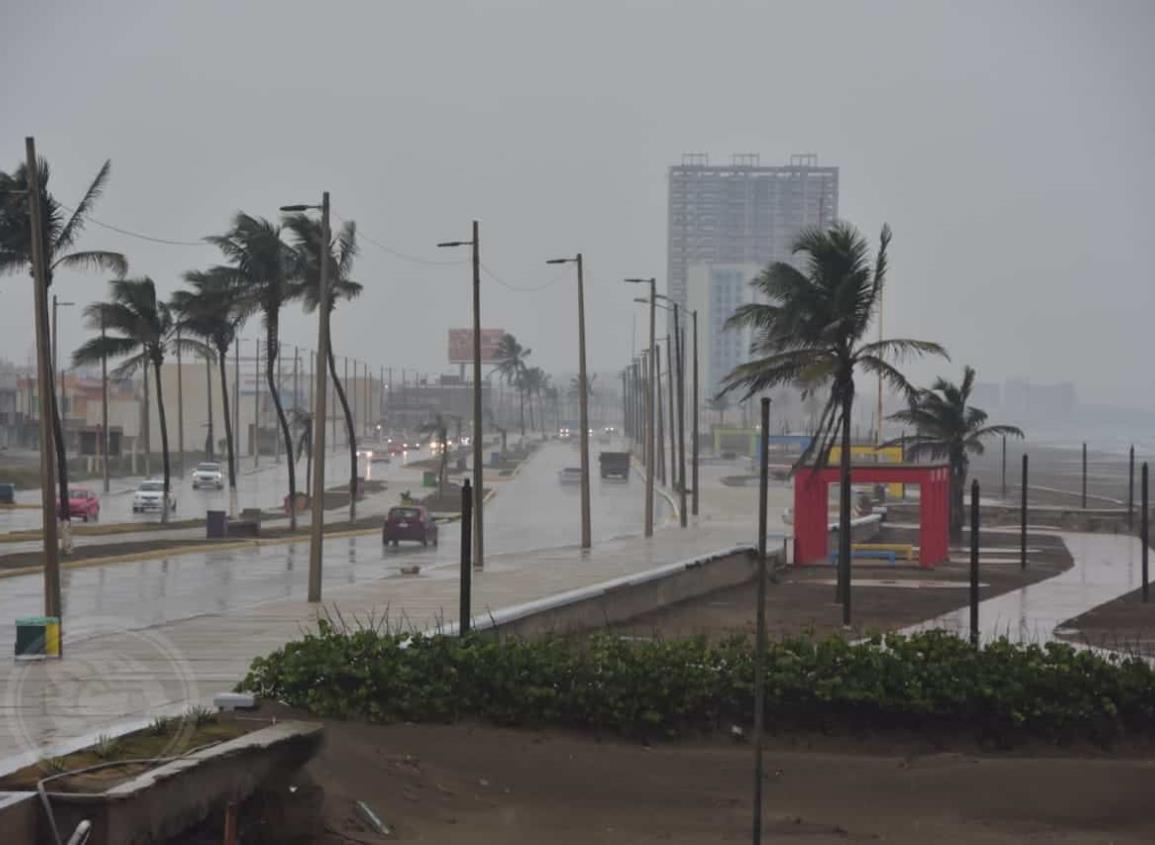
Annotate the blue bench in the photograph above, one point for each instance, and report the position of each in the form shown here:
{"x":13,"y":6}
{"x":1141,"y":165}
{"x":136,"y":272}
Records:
{"x":877,"y":554}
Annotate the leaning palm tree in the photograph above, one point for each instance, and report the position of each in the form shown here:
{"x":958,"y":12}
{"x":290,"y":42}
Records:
{"x":262,"y":269}
{"x":946,"y":426}
{"x":810,"y":329}
{"x":306,"y":242}
{"x":61,"y":228}
{"x":213,"y":311}
{"x":144,"y":328}
{"x":511,"y":363}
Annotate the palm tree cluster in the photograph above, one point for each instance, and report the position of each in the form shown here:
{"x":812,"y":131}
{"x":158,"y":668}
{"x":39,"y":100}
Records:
{"x":265,"y":267}
{"x":809,"y":331}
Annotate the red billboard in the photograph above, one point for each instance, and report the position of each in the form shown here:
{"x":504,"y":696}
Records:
{"x":461,"y":345}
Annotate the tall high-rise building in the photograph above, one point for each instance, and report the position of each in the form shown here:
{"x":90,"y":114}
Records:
{"x":727,"y":222}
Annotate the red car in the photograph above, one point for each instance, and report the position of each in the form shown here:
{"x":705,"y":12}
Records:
{"x":83,"y":504}
{"x":409,"y":522}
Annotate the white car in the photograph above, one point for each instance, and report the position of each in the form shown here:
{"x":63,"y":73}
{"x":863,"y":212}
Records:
{"x":208,"y":475}
{"x":149,"y":496}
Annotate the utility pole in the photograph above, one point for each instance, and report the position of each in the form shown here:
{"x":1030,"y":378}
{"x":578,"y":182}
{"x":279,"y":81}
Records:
{"x":649,"y":531}
{"x":147,"y":425}
{"x":179,"y":409}
{"x":583,"y":398}
{"x":210,"y":441}
{"x":679,"y":335}
{"x":478,"y":451}
{"x":296,"y":385}
{"x":104,"y":410}
{"x":44,"y":379}
{"x":660,"y":451}
{"x":280,"y":384}
{"x":697,"y":403}
{"x":236,"y":397}
{"x":316,"y":534}
{"x":256,"y":441}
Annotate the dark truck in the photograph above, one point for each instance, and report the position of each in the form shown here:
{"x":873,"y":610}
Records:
{"x":615,"y":465}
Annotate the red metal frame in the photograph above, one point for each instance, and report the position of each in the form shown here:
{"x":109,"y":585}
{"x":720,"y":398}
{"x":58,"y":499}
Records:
{"x":811,"y":506}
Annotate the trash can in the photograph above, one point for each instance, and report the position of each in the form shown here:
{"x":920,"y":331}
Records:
{"x":429,"y":478}
{"x":7,"y":494}
{"x":216,"y":525}
{"x":37,"y":637}
{"x":494,"y":458}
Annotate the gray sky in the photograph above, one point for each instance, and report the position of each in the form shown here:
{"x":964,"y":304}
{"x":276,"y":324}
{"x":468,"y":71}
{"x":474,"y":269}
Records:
{"x":1007,"y":143}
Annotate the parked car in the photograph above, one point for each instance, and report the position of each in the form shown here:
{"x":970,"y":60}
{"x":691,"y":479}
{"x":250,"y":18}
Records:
{"x":409,"y":522}
{"x":83,"y":504}
{"x":149,"y":496}
{"x":208,"y":475}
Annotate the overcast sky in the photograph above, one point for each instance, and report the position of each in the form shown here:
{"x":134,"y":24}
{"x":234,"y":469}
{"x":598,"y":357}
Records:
{"x":1007,"y":143}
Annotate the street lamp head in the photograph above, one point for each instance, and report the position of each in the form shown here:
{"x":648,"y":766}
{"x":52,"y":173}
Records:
{"x":455,"y":243}
{"x":288,"y":209}
{"x":561,"y":261}
{"x":640,"y":281}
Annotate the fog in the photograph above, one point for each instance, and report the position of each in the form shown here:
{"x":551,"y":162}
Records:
{"x":1007,"y":144}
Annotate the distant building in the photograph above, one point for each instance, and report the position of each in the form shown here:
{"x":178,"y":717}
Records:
{"x":715,"y":291}
{"x":742,"y":213}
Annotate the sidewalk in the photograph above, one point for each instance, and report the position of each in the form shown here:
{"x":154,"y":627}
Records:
{"x":112,"y":677}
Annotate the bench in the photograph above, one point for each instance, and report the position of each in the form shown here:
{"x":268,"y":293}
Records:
{"x":878,"y":554}
{"x":904,"y":549}
{"x":249,"y":525}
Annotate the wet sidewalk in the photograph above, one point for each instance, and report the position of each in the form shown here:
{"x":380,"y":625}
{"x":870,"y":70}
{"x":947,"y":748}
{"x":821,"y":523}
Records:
{"x":1106,"y":566}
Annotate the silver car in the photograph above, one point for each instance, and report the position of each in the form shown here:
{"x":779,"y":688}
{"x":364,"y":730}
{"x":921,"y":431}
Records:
{"x":208,"y":475}
{"x":149,"y":496}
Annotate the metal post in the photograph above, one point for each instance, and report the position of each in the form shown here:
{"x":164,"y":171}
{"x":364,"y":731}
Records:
{"x":583,"y":402}
{"x":296,"y":384}
{"x":44,"y":379}
{"x":466,"y":574}
{"x":210,"y":442}
{"x":681,"y":349}
{"x":1084,"y":475}
{"x":256,"y":439}
{"x":278,"y":381}
{"x":1023,"y":519}
{"x":697,"y":403}
{"x":975,"y":563}
{"x":673,"y":465}
{"x":1004,"y":468}
{"x":660,"y":451}
{"x":179,"y":409}
{"x":104,"y":410}
{"x":1131,"y":490}
{"x":1144,"y":536}
{"x":650,"y":414}
{"x":478,"y":449}
{"x":760,"y":647}
{"x":318,"y":494}
{"x":236,"y":399}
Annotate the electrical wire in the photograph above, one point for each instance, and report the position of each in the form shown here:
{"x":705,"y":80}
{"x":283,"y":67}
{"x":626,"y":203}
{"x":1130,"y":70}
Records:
{"x":131,"y":234}
{"x":529,"y":289}
{"x":404,"y":256}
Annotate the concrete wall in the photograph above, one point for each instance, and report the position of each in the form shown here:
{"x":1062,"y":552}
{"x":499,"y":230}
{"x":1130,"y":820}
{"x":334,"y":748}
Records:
{"x":625,"y":598}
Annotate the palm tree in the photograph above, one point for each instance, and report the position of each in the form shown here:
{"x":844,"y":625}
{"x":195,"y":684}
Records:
{"x":213,"y":311}
{"x":511,"y":364}
{"x":60,"y":230}
{"x":809,"y":329}
{"x":948,"y":427}
{"x":303,"y":422}
{"x":307,"y":241}
{"x":145,"y":328}
{"x":534,"y":380}
{"x":262,"y":269}
{"x":720,"y":404}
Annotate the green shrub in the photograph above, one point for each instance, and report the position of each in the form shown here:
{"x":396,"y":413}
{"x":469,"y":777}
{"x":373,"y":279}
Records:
{"x":930,"y":681}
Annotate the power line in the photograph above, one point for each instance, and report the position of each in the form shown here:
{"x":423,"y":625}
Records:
{"x":150,"y":238}
{"x":530,"y":289}
{"x":416,"y":259}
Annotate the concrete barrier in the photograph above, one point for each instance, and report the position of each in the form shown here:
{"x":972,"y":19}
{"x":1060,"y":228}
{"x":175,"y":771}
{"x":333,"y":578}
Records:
{"x":622,"y":599}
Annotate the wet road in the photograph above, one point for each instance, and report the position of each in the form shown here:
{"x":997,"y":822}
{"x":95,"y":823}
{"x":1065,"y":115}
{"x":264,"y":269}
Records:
{"x":531,"y":511}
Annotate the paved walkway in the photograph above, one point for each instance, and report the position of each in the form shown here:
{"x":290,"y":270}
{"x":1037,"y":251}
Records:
{"x":1106,"y":566}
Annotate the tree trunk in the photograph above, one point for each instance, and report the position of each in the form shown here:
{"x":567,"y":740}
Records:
{"x":958,"y":480}
{"x":65,"y":513}
{"x":272,"y":353}
{"x":163,"y":440}
{"x":349,"y":430}
{"x":222,"y":362}
{"x":521,"y":401}
{"x":844,"y":508}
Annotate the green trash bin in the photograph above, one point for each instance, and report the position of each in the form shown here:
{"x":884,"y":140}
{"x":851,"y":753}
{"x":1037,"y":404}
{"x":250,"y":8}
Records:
{"x":429,"y":478}
{"x":37,"y":637}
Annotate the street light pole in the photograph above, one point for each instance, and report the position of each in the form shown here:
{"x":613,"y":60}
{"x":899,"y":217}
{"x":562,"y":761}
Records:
{"x":478,"y":451}
{"x":179,"y":409}
{"x":583,"y":398}
{"x":650,"y":409}
{"x":104,"y":408}
{"x":44,"y":379}
{"x":694,"y":433}
{"x":317,"y":503}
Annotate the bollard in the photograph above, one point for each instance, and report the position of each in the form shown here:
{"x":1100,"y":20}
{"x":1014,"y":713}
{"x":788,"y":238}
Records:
{"x":1023,"y":520}
{"x":1084,"y":475}
{"x":760,"y":644}
{"x":1131,"y":490}
{"x":1143,"y":530}
{"x":975,"y":564}
{"x":1004,"y":467}
{"x":466,"y":553}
